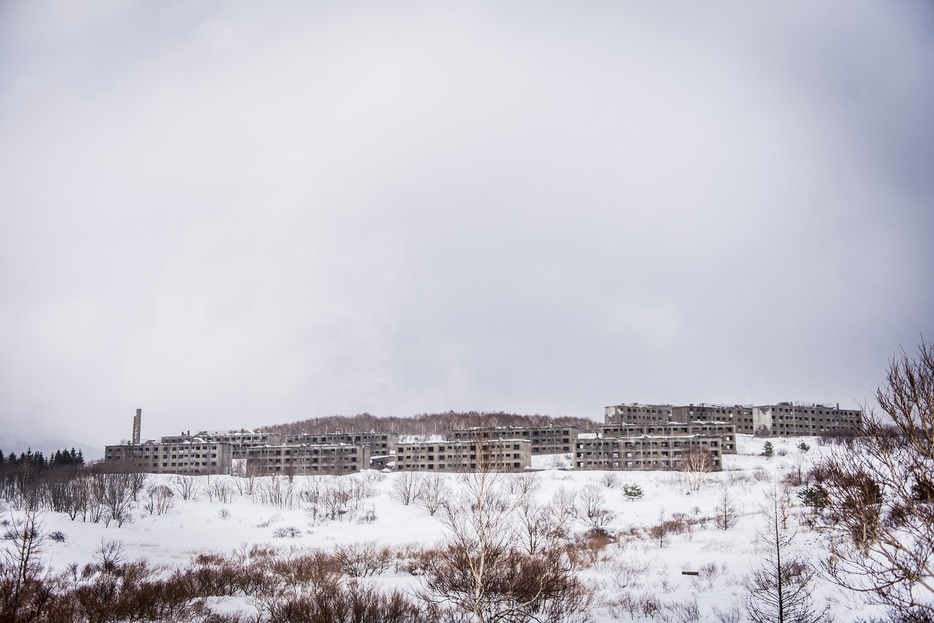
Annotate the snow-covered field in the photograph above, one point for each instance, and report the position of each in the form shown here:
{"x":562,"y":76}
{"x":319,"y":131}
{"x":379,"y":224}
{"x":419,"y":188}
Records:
{"x":634,"y":565}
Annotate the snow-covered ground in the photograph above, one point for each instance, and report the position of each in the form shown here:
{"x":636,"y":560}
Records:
{"x":633,"y":566}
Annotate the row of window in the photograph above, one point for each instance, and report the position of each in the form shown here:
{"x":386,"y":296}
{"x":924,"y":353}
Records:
{"x":494,"y":465}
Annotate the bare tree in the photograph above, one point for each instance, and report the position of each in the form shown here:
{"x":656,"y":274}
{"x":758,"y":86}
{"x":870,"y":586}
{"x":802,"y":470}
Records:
{"x":592,"y":508}
{"x":24,"y":592}
{"x":117,"y":496}
{"x":221,"y":490}
{"x":335,"y":499}
{"x":523,"y":484}
{"x":159,"y":499}
{"x":77,"y":496}
{"x":187,"y":487}
{"x":695,"y":464}
{"x":535,"y":525}
{"x":246,"y":482}
{"x":564,"y":503}
{"x":726,"y":514}
{"x":780,"y":590}
{"x":877,"y":493}
{"x":660,"y":533}
{"x":434,"y":492}
{"x":277,"y":491}
{"x":407,"y":487}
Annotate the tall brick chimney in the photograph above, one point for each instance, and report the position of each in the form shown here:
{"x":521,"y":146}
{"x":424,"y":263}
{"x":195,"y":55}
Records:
{"x":136,"y":426}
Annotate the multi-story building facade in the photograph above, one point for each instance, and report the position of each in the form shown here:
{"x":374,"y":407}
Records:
{"x":304,"y":459}
{"x":739,"y":416}
{"x":496,"y":455}
{"x":194,"y":457}
{"x":239,"y":440}
{"x":794,"y":419}
{"x":544,"y":439}
{"x":782,"y":419}
{"x":643,"y":453}
{"x":636,"y":413}
{"x":378,"y":443}
{"x":726,"y":432}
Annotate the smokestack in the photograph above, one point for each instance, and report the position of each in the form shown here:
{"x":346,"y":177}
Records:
{"x":136,"y":426}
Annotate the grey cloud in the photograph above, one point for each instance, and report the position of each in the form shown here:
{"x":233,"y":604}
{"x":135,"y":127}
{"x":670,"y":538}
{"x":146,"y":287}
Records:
{"x":232,"y":215}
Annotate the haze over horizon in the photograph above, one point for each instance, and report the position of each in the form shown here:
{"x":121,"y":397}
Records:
{"x":232,"y":214}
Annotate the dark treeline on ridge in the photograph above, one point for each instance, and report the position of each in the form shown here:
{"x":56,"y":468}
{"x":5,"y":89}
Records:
{"x":424,"y":423}
{"x":60,"y":458}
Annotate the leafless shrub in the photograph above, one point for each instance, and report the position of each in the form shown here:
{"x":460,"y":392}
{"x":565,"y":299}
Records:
{"x":219,"y":489}
{"x":414,"y":559}
{"x":78,"y":498}
{"x":246,"y":484}
{"x":114,"y":495}
{"x":130,"y":591}
{"x":482,"y":574}
{"x":629,"y":573}
{"x":760,"y":475}
{"x":590,"y":548}
{"x":538,"y":526}
{"x":357,"y":603}
{"x":837,"y":438}
{"x":636,"y":606}
{"x":300,"y":571}
{"x":363,"y":560}
{"x":522,"y":485}
{"x":732,"y":614}
{"x":367,"y":515}
{"x":160,"y":500}
{"x":661,"y":533}
{"x":795,"y":477}
{"x":707,"y":575}
{"x":685,"y":611}
{"x":286,"y":532}
{"x":311,"y":498}
{"x":362,"y":487}
{"x":278,"y":491}
{"x":187,"y":487}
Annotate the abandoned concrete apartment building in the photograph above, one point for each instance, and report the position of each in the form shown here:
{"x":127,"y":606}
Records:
{"x":633,"y":437}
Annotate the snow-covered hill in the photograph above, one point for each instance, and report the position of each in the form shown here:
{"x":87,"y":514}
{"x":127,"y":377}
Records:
{"x":633,"y":567}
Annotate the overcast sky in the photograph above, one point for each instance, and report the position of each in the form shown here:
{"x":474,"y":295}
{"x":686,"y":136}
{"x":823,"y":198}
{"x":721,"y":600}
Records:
{"x":232,"y":214}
